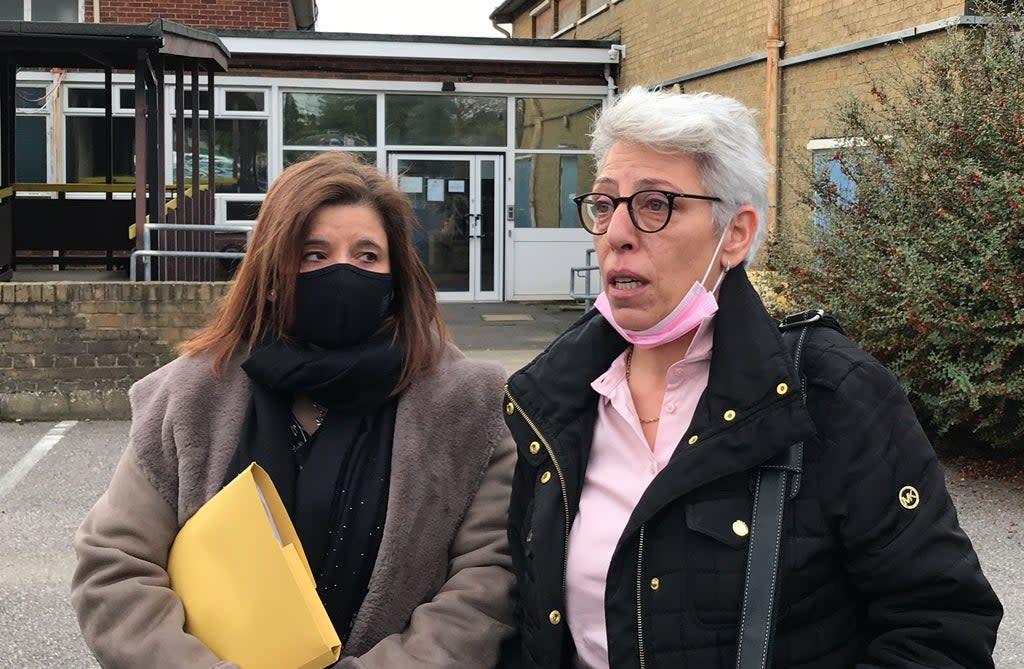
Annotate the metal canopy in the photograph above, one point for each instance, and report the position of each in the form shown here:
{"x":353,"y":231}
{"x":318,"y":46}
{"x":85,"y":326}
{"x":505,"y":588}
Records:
{"x":150,"y":51}
{"x":92,"y":45}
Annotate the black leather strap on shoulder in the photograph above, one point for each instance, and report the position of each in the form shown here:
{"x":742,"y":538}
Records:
{"x":757,"y":617}
{"x":757,"y":620}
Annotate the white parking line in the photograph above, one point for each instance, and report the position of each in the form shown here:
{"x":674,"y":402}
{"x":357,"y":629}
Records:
{"x":41,"y":448}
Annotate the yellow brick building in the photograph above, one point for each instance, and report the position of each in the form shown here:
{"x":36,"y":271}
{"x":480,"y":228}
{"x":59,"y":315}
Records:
{"x":792,"y":60}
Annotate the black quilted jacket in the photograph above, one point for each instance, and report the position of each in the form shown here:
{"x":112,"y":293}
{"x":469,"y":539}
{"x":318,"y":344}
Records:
{"x":864,"y":580}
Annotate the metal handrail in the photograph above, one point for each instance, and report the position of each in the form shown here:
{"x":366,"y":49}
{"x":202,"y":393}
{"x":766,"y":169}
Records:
{"x":181,"y":254}
{"x":588,"y":296}
{"x":85,"y":187}
{"x":146,"y":252}
{"x":201,"y":227}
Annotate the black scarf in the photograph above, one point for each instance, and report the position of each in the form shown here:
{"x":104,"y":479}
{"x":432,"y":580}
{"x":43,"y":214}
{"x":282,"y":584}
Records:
{"x":337,"y":497}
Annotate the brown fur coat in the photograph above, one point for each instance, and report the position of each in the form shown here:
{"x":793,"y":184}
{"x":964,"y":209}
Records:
{"x":441,"y":590}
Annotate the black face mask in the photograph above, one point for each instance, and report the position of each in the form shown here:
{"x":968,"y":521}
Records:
{"x":340,"y":306}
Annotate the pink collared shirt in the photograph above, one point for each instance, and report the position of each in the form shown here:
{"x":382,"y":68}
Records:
{"x":620,"y":468}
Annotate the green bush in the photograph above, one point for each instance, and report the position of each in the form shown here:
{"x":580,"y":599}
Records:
{"x":924,"y":263}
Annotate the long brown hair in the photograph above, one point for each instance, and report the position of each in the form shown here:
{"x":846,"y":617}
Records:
{"x":261,"y":301}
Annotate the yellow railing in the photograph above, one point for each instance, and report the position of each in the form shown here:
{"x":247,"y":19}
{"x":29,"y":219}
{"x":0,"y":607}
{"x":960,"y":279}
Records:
{"x":79,"y":188}
{"x":88,"y":187}
{"x":171,"y":205}
{"x":173,"y":202}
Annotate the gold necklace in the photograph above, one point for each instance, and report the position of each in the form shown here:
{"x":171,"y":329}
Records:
{"x":629,"y":366}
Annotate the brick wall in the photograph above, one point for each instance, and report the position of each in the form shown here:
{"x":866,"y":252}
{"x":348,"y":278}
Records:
{"x":812,"y":25}
{"x":211,"y":14}
{"x":667,"y":39}
{"x":746,"y":84}
{"x":72,"y":350}
{"x":810,"y":94}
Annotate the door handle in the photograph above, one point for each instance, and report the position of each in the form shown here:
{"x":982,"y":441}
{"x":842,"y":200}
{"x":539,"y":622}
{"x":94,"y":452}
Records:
{"x":474,"y":225}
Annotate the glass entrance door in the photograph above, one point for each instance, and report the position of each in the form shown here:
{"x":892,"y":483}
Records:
{"x":456,"y":202}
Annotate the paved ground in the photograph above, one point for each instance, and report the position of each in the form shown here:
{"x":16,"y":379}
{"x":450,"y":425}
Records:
{"x":50,"y":476}
{"x":509,"y":333}
{"x":989,"y":496}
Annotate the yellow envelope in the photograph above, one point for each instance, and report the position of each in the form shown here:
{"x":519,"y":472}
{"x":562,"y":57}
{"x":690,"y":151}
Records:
{"x":248,"y":592}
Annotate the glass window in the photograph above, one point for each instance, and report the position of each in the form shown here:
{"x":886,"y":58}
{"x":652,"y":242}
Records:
{"x":12,"y":10}
{"x":545,"y":186}
{"x":240,"y":155}
{"x":826,"y":162}
{"x":554,"y":123}
{"x":39,"y":10}
{"x":204,"y":97}
{"x":242,"y":211}
{"x":442,"y":238}
{"x":330,"y":119}
{"x":127,"y":98}
{"x":445,"y":120}
{"x":55,"y":10}
{"x":30,"y":149}
{"x":87,"y":98}
{"x":244,"y":101}
{"x":291,"y":157}
{"x":86,"y":152}
{"x":31,"y":97}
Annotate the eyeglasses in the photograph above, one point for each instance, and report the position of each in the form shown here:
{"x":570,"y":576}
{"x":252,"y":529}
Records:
{"x":650,"y":210}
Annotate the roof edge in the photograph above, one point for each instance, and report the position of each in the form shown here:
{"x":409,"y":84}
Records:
{"x":506,"y":11}
{"x":165,"y":26}
{"x":424,"y":39}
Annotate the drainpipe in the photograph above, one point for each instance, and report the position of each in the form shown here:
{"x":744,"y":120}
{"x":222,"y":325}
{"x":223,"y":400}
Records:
{"x":95,"y":11}
{"x":610,"y":80}
{"x":494,"y":24}
{"x":618,"y":52}
{"x":771,"y":108}
{"x":57,"y":110}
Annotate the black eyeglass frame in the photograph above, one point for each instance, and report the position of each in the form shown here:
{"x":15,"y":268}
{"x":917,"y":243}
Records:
{"x":628,"y":199}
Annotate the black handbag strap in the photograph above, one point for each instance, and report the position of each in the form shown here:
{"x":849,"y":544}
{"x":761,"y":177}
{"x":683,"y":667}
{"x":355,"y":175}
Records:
{"x":776,"y":479}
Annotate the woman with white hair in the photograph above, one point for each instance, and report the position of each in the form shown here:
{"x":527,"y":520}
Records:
{"x":664,"y":436}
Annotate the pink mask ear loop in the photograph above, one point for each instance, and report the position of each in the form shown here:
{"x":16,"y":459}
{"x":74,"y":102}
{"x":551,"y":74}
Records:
{"x":721,"y":278}
{"x":711,"y":265}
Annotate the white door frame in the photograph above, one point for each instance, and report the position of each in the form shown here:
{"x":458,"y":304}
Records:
{"x":477,"y":164}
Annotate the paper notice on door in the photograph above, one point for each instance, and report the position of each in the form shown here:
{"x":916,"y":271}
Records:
{"x":435,"y":190}
{"x":456,"y":186}
{"x":411,"y":184}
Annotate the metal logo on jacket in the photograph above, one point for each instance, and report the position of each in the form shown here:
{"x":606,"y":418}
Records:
{"x":909,"y":497}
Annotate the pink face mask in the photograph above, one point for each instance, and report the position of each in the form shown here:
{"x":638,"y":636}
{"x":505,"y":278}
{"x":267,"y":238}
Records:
{"x":699,"y":303}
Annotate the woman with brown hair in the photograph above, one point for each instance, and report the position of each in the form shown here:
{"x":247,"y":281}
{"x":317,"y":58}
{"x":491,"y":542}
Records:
{"x":328,"y":364}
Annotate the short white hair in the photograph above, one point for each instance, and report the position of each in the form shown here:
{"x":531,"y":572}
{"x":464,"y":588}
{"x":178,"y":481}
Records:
{"x":717,"y":132}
